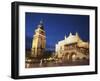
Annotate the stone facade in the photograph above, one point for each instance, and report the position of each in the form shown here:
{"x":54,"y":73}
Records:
{"x":39,"y":41}
{"x":72,"y":48}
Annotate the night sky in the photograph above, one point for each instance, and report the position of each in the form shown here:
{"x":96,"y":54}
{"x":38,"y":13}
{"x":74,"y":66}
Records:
{"x":56,"y":27}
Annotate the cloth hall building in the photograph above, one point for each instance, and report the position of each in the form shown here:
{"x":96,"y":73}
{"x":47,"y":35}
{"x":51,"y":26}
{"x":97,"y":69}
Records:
{"x":72,"y":48}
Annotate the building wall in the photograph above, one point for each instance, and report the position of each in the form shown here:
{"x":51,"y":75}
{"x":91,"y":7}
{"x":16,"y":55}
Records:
{"x":72,"y":51}
{"x":38,"y":43}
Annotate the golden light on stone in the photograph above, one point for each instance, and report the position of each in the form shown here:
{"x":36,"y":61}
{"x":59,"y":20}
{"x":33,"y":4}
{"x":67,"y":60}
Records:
{"x":72,"y":47}
{"x":68,"y":52}
{"x":39,"y":41}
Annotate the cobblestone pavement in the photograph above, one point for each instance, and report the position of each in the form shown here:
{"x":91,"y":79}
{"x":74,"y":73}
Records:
{"x":55,"y":64}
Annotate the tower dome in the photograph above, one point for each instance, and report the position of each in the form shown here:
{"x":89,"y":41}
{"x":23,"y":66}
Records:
{"x":40,"y":25}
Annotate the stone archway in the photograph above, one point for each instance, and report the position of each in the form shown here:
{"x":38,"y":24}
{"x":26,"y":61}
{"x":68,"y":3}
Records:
{"x":72,"y":56}
{"x":66,"y":56}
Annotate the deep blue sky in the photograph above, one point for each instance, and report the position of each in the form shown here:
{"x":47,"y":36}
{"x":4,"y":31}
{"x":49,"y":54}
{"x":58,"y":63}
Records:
{"x":56,"y":27}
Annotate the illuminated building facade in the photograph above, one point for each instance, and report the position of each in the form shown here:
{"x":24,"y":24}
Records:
{"x":72,"y":48}
{"x":39,"y":41}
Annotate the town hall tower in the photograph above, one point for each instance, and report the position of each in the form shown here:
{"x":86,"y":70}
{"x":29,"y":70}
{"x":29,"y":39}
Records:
{"x":39,"y":41}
